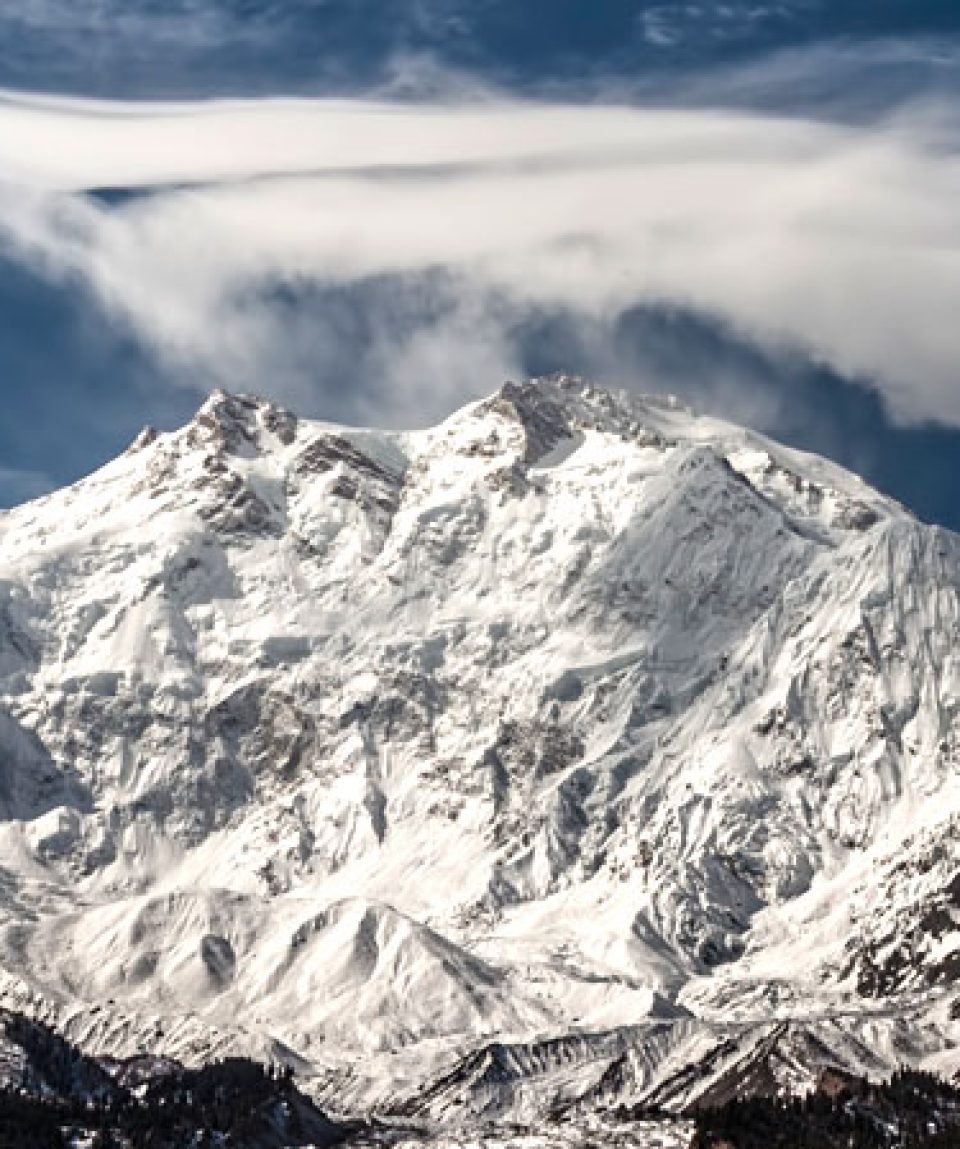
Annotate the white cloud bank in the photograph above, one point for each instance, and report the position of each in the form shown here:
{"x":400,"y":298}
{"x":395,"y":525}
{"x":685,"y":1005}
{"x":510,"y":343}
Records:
{"x":842,"y":241}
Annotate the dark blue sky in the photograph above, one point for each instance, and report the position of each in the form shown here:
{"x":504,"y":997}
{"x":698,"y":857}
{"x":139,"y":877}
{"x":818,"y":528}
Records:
{"x":190,"y":47}
{"x":78,"y":383}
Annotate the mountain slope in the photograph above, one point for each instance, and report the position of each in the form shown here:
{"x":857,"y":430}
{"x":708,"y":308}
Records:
{"x":575,"y":715}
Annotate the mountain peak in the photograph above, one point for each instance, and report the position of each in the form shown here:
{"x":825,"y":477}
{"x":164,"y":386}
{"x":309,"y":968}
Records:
{"x":234,"y":423}
{"x":584,"y":402}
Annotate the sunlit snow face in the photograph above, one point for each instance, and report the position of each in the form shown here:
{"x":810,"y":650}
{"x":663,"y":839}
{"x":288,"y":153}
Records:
{"x":724,"y":201}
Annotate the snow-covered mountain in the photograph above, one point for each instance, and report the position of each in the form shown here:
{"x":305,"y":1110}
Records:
{"x":577,"y":752}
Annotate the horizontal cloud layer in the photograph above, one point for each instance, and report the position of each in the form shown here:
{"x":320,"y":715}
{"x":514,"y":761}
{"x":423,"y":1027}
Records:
{"x":841,"y":242}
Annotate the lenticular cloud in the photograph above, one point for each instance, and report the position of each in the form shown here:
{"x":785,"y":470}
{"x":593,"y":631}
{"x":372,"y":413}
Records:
{"x":838,"y":241}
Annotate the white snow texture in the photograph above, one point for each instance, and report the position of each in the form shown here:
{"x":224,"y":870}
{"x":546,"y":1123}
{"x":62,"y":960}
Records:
{"x":532,"y":759}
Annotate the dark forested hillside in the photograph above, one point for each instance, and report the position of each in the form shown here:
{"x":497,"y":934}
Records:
{"x":54,"y":1097}
{"x":910,"y":1110}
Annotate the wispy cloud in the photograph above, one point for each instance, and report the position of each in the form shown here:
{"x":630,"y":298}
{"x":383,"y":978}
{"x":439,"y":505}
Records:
{"x":840,"y":242}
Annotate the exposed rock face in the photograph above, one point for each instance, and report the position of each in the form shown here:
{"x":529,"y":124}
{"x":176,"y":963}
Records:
{"x":578,"y":725}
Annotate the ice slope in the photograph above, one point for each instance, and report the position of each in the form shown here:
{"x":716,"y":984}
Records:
{"x":575,"y":714}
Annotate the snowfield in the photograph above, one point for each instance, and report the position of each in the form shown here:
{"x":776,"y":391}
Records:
{"x":579,"y":752}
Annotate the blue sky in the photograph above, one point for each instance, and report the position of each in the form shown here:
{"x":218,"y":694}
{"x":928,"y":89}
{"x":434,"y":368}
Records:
{"x":243,"y":47}
{"x":749,"y":205}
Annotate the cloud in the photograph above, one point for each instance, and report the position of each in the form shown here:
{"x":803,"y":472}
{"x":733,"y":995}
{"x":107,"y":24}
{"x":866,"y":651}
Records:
{"x":840,"y":242}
